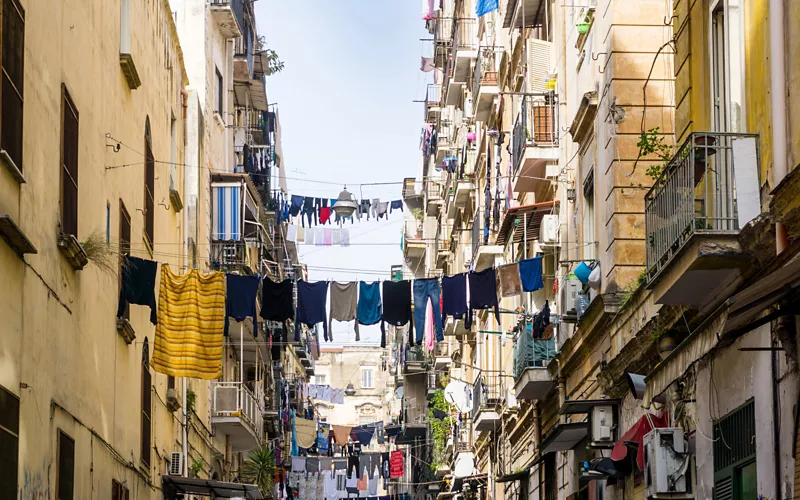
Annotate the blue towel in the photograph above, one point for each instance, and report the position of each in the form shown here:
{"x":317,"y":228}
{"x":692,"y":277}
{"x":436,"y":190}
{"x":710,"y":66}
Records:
{"x":530,"y":270}
{"x":369,"y":303}
{"x":485,"y":6}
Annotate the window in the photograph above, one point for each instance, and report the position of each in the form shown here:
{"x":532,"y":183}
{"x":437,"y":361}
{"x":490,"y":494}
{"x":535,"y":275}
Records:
{"x":146,"y":404}
{"x":119,"y":492}
{"x":220,"y":93}
{"x":735,"y":455}
{"x":69,"y":164}
{"x":149,"y":186}
{"x":65,"y":481}
{"x":587,"y":207}
{"x":550,"y":477}
{"x":320,"y":379}
{"x":727,"y":68}
{"x":173,"y":149}
{"x":9,"y":443}
{"x":13,"y":43}
{"x":124,"y":245}
{"x":367,"y":378}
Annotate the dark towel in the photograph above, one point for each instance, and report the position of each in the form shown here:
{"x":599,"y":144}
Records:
{"x":454,"y":296}
{"x":385,"y":464}
{"x":363,"y":434}
{"x":482,"y":293}
{"x":369,"y":303}
{"x":396,"y":304}
{"x":396,"y":204}
{"x":311,"y":298}
{"x":138,"y":285}
{"x":277,"y":303}
{"x":530,"y":270}
{"x":296,"y":205}
{"x":240,"y":299}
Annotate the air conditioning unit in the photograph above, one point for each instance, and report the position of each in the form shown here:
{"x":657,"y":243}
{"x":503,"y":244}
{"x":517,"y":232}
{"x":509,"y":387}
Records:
{"x":548,"y":230}
{"x":569,"y":296}
{"x":602,"y":426}
{"x":666,"y":462}
{"x":175,"y":464}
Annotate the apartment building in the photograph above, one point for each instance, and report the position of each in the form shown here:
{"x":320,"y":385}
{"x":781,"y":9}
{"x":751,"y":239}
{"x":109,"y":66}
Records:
{"x":635,"y":140}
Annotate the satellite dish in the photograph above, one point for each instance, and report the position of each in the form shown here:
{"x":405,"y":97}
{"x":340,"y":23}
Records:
{"x":399,"y":392}
{"x":464,"y":466}
{"x":456,"y":394}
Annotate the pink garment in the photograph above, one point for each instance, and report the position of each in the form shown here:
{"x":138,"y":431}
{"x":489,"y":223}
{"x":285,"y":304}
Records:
{"x":426,"y":66}
{"x":428,"y":340}
{"x":327,"y":238}
{"x":427,"y":10}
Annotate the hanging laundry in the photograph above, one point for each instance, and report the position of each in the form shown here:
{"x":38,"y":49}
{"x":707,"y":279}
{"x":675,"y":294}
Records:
{"x":337,"y":396}
{"x":375,"y":206}
{"x":382,"y":208}
{"x":426,"y":65}
{"x":312,"y":463}
{"x":320,"y":486}
{"x":324,"y":215}
{"x":424,"y":289}
{"x":310,"y":236}
{"x":240,"y":300}
{"x":454,"y":296}
{"x":337,"y":236}
{"x":191,"y":319}
{"x":482,"y":293}
{"x":277,"y":302}
{"x":301,"y":233}
{"x":331,"y":492}
{"x":385,"y":465}
{"x":308,"y":210}
{"x":483,"y":7}
{"x":341,"y":434}
{"x":306,"y":432}
{"x":372,"y":486}
{"x":327,"y":237}
{"x":322,"y":438}
{"x":510,"y":283}
{"x":540,"y":321}
{"x":363,"y":209}
{"x":311,"y":298}
{"x":299,"y":464}
{"x":427,"y":10}
{"x":345,"y":237}
{"x":362,"y":479}
{"x":296,"y":205}
{"x":363,"y":434}
{"x":319,"y":236}
{"x":291,"y":233}
{"x":530,"y":271}
{"x":138,"y":285}
{"x":396,"y":465}
{"x":343,"y":304}
{"x":428,"y":335}
{"x":396,"y":303}
{"x":395,"y":205}
{"x":369,"y":304}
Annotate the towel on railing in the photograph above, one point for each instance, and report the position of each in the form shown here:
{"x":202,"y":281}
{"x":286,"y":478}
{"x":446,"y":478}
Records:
{"x":191,"y":318}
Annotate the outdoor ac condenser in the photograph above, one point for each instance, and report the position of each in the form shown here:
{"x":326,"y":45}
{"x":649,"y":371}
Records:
{"x":548,"y":231}
{"x":569,"y":295}
{"x":666,"y":463}
{"x":176,"y":464}
{"x":602,"y":425}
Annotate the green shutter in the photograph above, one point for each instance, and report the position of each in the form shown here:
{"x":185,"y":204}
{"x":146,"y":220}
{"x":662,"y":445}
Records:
{"x":734,"y":448}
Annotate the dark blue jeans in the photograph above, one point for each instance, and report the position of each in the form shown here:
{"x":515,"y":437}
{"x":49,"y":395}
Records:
{"x":424,"y":289}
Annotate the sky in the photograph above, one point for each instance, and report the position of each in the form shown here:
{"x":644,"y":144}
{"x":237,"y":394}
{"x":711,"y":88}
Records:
{"x":346,"y":104}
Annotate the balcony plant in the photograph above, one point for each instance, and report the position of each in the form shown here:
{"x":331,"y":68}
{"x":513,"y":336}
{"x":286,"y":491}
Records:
{"x":195,"y":468}
{"x":652,"y":143}
{"x":259,"y":468}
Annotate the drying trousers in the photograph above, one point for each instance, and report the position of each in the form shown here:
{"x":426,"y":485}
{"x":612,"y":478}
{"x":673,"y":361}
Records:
{"x":425,"y":289}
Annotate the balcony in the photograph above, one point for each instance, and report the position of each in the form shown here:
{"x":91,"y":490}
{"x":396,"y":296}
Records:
{"x":442,"y":355}
{"x":445,"y":140}
{"x":693,"y":213}
{"x":433,"y":198}
{"x":415,"y":361}
{"x":465,"y":48}
{"x":464,"y":190}
{"x":233,"y":255}
{"x":443,"y":252}
{"x":532,"y":380}
{"x":488,"y":399}
{"x":484,"y":82}
{"x":236,"y":413}
{"x":433,"y":102}
{"x":535,"y":143}
{"x":229,"y":15}
{"x":413,"y":243}
{"x":243,"y":54}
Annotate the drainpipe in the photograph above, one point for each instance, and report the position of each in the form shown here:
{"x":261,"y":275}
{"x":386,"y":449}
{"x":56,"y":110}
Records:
{"x":777,"y":66}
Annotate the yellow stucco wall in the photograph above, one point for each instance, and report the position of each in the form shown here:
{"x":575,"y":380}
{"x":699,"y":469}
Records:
{"x":59,"y":349}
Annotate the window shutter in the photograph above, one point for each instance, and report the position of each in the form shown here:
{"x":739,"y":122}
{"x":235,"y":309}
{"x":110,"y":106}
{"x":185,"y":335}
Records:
{"x":66,"y":467}
{"x":723,"y":488}
{"x":538,"y":65}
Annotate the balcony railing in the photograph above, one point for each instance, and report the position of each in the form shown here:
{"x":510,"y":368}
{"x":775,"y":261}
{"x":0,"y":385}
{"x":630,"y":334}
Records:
{"x":433,"y":95}
{"x":235,"y":399}
{"x":442,"y":350}
{"x":465,"y":33}
{"x":536,"y":124}
{"x":442,"y":30}
{"x":477,"y":232}
{"x":532,"y":353}
{"x":695,"y":194}
{"x":229,"y":253}
{"x":485,"y":68}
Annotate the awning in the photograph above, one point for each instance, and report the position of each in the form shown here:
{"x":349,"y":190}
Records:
{"x":635,"y":434}
{"x":533,"y":213}
{"x":515,"y":476}
{"x":607,"y":467}
{"x":564,"y":437}
{"x":412,"y":434}
{"x":208,"y":488}
{"x":531,"y":8}
{"x":576,"y":406}
{"x":696,"y":345}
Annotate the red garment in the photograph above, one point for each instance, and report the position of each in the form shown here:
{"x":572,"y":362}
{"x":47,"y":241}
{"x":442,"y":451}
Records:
{"x":396,"y":466}
{"x":636,"y":434}
{"x":324,"y":214}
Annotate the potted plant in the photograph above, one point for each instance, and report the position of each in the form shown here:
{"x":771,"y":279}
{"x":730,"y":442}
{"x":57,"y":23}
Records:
{"x":195,"y":468}
{"x":259,"y":468}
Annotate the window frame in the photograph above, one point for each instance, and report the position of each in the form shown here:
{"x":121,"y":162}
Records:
{"x":64,"y":438}
{"x":149,"y":189}
{"x":371,"y":372}
{"x":68,"y":208}
{"x":9,"y":425}
{"x":124,"y":247}
{"x":220,"y":107}
{"x":146,"y":428}
{"x":17,"y":86}
{"x":720,"y":61}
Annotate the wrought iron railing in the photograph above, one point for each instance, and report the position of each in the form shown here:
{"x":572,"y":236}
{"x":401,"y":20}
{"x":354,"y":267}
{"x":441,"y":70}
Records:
{"x":476,"y":233}
{"x":532,"y":353}
{"x":489,"y":391}
{"x":235,"y":399}
{"x":442,"y":349}
{"x":485,"y":68}
{"x":695,"y":194}
{"x":465,"y":33}
{"x":433,"y":94}
{"x":536,"y":124}
{"x":442,"y":30}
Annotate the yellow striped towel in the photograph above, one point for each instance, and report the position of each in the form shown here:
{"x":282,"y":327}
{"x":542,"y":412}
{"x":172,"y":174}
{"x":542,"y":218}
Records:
{"x":191,"y":318}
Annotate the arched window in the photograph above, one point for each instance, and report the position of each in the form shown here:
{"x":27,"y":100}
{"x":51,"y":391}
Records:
{"x":146,"y":404}
{"x":149,"y":186}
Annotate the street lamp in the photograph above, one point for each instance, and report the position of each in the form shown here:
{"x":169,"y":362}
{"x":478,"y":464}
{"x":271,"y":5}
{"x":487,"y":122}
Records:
{"x":345,"y":205}
{"x":350,"y":390}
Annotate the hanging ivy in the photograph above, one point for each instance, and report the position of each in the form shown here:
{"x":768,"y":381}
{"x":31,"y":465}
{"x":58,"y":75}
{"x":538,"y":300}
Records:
{"x":440,"y":428}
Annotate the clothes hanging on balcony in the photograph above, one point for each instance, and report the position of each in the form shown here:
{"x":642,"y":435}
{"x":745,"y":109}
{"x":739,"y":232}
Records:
{"x":454,"y":296}
{"x":363,"y":208}
{"x":308,"y":211}
{"x":306,"y":432}
{"x":530,"y":271}
{"x":323,"y":439}
{"x":352,"y":467}
{"x":291,"y":233}
{"x":330,"y":491}
{"x":277,"y":301}
{"x":138,"y":285}
{"x":327,"y":236}
{"x":429,"y":326}
{"x":396,"y":204}
{"x":341,"y":434}
{"x":362,"y":434}
{"x":425,"y":289}
{"x":510,"y":282}
{"x":372,"y":486}
{"x":296,"y":205}
{"x":191,"y":320}
{"x":319,"y":236}
{"x":426,"y":65}
{"x":344,"y":299}
{"x":362,"y":479}
{"x":240,"y":299}
{"x":383,"y":207}
{"x":482,"y":293}
{"x":324,"y":215}
{"x":396,"y":304}
{"x":483,"y":7}
{"x":427,"y":10}
{"x":311,"y":298}
{"x":541,"y":320}
{"x":385,"y":465}
{"x":369,"y":305}
{"x":396,"y":464}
